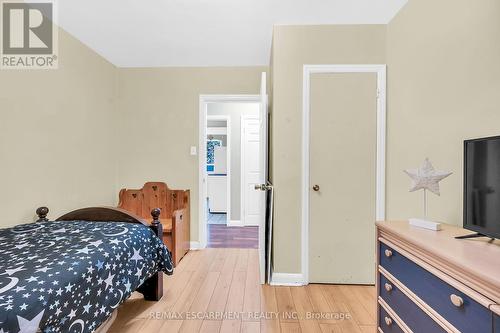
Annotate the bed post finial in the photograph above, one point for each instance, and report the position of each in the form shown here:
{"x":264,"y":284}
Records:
{"x":42,"y":213}
{"x":156,"y":223}
{"x":155,"y":213}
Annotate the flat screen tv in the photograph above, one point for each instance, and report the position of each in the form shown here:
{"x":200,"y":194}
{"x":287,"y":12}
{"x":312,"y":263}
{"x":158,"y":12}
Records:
{"x":482,"y":186}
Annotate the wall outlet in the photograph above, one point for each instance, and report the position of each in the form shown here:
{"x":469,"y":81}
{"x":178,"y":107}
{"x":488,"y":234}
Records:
{"x":193,"y":151}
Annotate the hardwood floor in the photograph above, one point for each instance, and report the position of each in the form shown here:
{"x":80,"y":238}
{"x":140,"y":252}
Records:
{"x":233,"y":237}
{"x":218,"y":290}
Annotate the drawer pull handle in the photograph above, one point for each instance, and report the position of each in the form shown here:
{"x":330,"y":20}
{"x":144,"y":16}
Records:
{"x":456,"y":300}
{"x":388,"y":321}
{"x":388,"y":287}
{"x":388,"y":253}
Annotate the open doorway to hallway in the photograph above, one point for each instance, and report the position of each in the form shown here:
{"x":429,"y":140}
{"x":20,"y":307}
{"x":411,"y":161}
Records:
{"x":232,"y":160}
{"x":250,"y":209}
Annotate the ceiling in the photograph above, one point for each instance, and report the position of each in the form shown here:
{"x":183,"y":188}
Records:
{"x":154,"y":33}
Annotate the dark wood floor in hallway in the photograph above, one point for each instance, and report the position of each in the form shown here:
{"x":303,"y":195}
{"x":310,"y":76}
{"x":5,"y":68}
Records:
{"x":222,"y":236}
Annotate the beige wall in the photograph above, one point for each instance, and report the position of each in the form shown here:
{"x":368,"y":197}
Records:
{"x":74,"y":136}
{"x":57,"y":128}
{"x":56,"y":135}
{"x":158,"y":122}
{"x":443,"y":84}
{"x":444,"y":87}
{"x":294,"y":46}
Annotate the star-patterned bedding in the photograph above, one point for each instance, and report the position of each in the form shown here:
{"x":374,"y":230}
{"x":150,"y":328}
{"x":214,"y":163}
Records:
{"x":69,"y":276}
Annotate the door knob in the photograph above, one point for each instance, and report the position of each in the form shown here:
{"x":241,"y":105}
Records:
{"x":316,"y":188}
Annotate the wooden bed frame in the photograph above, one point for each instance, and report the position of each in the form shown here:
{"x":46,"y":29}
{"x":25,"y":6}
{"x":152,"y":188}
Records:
{"x":152,"y":288}
{"x":175,"y":211}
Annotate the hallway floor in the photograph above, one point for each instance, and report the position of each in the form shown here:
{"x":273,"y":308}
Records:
{"x":222,"y":236}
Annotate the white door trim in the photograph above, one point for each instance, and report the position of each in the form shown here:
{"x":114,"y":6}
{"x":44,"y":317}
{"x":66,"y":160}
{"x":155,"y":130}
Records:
{"x":381,"y":137}
{"x":202,"y":152}
{"x":216,"y":130}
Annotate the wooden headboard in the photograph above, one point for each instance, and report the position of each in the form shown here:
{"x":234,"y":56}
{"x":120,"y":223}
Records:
{"x":98,"y":214}
{"x":105,"y":214}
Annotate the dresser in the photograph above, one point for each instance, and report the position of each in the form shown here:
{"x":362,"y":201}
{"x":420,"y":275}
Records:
{"x":428,"y":281}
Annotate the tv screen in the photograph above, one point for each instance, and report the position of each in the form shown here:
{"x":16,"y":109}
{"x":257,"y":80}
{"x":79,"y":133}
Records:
{"x":482,"y":186}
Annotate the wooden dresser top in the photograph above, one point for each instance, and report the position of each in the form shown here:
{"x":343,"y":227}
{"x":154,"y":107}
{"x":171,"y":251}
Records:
{"x":477,"y":257}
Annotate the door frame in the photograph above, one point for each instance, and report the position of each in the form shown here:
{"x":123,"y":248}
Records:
{"x":308,"y":70}
{"x":204,"y":100}
{"x":242,"y":164}
{"x":227,"y":119}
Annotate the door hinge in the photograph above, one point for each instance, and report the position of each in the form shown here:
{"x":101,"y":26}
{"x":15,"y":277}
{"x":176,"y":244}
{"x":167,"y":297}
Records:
{"x":263,"y":187}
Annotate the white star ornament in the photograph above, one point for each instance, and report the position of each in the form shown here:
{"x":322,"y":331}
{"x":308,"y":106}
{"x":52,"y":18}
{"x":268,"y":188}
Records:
{"x":426,"y":177}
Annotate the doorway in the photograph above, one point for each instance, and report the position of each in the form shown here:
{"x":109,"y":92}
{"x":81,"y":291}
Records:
{"x":261,"y":188}
{"x":232,"y":152}
{"x":344,"y":168}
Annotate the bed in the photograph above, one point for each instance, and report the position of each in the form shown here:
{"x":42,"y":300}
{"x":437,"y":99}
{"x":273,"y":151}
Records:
{"x":69,"y":275}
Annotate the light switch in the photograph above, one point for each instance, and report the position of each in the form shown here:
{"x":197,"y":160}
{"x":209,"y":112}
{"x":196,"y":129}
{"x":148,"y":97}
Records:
{"x":193,"y":150}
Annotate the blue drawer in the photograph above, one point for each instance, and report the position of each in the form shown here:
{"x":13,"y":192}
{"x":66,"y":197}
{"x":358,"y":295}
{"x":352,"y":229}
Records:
{"x":496,"y":324}
{"x":416,"y":319}
{"x":470,"y":317}
{"x":387,"y":327}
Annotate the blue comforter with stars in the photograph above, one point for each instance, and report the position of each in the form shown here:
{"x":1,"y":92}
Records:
{"x":69,"y":276}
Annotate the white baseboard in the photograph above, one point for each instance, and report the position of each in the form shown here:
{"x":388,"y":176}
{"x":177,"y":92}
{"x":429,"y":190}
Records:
{"x":239,"y":223}
{"x":286,"y":279}
{"x":234,"y":223}
{"x":194,"y":245}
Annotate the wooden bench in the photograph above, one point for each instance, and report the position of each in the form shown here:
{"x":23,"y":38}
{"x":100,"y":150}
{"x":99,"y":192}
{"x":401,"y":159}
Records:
{"x":175,"y":212}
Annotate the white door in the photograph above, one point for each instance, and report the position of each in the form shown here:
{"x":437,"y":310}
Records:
{"x":250,"y":167}
{"x":262,"y":178}
{"x":343,"y":139}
